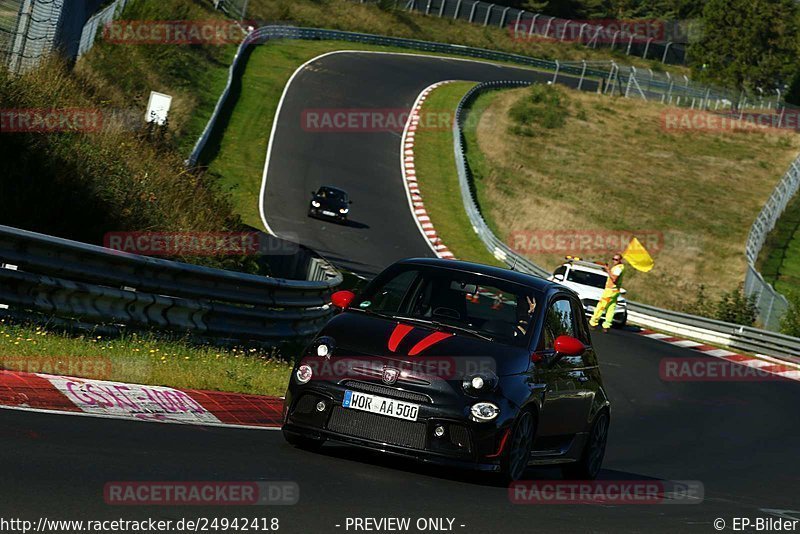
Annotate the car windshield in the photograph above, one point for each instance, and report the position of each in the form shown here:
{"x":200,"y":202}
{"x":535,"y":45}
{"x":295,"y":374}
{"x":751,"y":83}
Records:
{"x":331,"y":194}
{"x":587,"y":278}
{"x":477,"y":305}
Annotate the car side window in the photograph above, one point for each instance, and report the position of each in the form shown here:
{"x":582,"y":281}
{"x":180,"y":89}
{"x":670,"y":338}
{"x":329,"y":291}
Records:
{"x":393,"y":293}
{"x":581,"y":328}
{"x":559,"y":321}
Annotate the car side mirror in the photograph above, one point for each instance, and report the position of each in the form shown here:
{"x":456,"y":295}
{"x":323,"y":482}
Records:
{"x":558,"y":277}
{"x":622,"y":291}
{"x":569,"y":346}
{"x":342,"y":299}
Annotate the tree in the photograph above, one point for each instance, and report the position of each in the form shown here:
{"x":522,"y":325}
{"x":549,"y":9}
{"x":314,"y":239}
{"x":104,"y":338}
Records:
{"x":747,"y":43}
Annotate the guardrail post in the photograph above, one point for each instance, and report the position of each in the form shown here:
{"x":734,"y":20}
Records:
{"x":472,"y":12}
{"x":458,"y":9}
{"x":646,"y":48}
{"x":519,"y":19}
{"x":547,"y":28}
{"x":666,"y":49}
{"x":488,"y":14}
{"x":630,"y":44}
{"x":630,"y":81}
{"x":580,"y":32}
{"x":441,"y":8}
{"x":533,"y":24}
{"x":558,"y":67}
{"x":564,"y":33}
{"x":428,"y":8}
{"x":503,"y":17}
{"x":614,"y":40}
{"x":583,"y":73}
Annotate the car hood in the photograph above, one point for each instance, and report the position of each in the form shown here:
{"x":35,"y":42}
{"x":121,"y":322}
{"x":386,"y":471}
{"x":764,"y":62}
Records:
{"x":395,"y":342}
{"x":330,"y":203}
{"x":586,"y":292}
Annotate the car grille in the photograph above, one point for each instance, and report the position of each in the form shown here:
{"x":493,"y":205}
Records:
{"x":384,"y":391}
{"x":459,"y":436}
{"x":377,"y":428}
{"x":589,"y":302}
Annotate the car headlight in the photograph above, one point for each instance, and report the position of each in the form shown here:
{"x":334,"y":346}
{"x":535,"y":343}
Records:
{"x":484,"y":411}
{"x":304,"y":373}
{"x":343,"y":210}
{"x":315,"y":203}
{"x":322,"y":346}
{"x":479,"y":383}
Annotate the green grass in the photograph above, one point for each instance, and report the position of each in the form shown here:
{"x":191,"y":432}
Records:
{"x":779,"y":261}
{"x":143,"y":360}
{"x":435,"y":163}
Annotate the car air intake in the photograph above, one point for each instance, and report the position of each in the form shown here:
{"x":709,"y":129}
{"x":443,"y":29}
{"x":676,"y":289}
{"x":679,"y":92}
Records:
{"x":377,"y":428}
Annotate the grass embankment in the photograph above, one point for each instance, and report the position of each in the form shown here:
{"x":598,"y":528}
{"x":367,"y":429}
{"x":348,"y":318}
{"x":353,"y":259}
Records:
{"x":370,"y":18}
{"x":143,"y":360}
{"x":435,"y":163}
{"x":780,"y":258}
{"x":612,"y":166}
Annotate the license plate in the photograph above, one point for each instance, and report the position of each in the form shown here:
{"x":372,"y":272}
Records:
{"x":380,"y":405}
{"x":328,"y":213}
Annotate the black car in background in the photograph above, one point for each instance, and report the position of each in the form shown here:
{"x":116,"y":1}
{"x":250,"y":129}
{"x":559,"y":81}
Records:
{"x":455,"y":363}
{"x":330,"y":203}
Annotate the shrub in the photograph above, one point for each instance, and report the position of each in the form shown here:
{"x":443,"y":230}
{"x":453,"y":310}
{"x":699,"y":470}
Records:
{"x":790,"y":323}
{"x":544,"y":106}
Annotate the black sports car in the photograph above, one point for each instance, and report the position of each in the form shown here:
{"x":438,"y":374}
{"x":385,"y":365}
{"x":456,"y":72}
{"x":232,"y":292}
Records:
{"x":329,"y":202}
{"x":455,"y":363}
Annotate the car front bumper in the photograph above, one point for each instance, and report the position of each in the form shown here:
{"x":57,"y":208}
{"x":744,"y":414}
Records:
{"x":465,"y":443}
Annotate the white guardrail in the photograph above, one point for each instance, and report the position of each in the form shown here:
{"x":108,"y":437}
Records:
{"x":87,"y":287}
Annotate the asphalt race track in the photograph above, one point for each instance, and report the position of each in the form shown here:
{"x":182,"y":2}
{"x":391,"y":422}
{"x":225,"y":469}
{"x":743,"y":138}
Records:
{"x":739,"y":439}
{"x":365,"y":164}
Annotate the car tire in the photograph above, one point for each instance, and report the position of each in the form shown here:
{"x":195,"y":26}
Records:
{"x":588,"y":467}
{"x":622,"y":323}
{"x":520,"y":445}
{"x":302,"y":442}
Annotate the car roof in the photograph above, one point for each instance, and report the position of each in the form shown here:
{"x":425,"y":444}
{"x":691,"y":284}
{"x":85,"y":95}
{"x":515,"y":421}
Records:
{"x":487,"y":270}
{"x":331,"y":188}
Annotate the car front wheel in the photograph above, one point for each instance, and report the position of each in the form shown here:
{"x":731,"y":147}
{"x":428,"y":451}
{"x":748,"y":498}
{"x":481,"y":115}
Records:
{"x":519,"y":447}
{"x":588,"y":467}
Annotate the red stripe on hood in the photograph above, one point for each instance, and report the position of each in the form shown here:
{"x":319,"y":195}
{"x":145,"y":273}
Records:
{"x":400,"y":331}
{"x":428,"y":341}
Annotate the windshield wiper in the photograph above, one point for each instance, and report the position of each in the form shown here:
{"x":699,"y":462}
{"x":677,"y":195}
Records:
{"x":446,"y":326}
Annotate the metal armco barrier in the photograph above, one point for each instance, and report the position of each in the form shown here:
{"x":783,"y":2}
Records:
{"x":89,"y":284}
{"x":681,"y":324}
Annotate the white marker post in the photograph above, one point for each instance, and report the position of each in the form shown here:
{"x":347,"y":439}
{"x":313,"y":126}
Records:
{"x":158,"y":108}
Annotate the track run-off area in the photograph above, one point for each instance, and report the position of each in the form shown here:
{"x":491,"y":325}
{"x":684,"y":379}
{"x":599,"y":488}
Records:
{"x":738,"y":438}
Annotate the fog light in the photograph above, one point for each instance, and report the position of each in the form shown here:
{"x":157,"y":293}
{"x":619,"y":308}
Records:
{"x":438,"y":431}
{"x":303,"y":374}
{"x":321,"y":406}
{"x":477,"y":382}
{"x":484,"y":411}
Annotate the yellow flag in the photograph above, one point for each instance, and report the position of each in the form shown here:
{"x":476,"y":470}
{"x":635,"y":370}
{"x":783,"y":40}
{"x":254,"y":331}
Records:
{"x":638,"y":256}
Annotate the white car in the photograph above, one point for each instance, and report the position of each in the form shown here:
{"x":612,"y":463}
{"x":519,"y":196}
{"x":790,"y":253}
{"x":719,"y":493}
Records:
{"x":588,"y":280}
